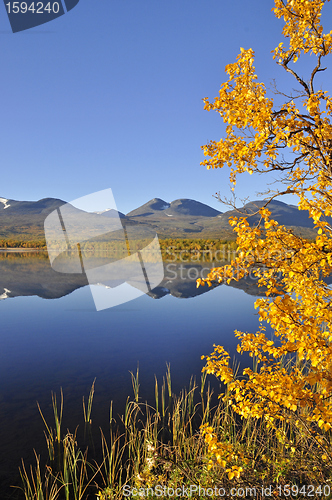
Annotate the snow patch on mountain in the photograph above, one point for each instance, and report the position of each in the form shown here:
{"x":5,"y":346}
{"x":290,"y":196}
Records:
{"x":4,"y":201}
{"x":103,"y":211}
{"x":5,"y":295}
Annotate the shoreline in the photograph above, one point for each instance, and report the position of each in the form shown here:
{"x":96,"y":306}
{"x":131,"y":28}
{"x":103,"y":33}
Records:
{"x":23,"y":250}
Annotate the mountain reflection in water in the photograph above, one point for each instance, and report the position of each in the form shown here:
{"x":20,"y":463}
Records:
{"x":30,"y":273}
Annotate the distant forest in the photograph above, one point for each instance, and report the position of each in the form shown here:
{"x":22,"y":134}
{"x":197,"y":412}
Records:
{"x":172,"y":249}
{"x":11,"y":243}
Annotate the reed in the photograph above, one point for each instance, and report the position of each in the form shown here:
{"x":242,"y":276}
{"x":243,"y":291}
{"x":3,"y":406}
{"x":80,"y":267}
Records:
{"x":87,"y":411}
{"x":37,"y":485}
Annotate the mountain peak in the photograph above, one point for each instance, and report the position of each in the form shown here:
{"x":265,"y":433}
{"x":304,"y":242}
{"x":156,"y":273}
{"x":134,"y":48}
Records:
{"x":188,"y":207}
{"x":110,"y":212}
{"x":152,"y":207}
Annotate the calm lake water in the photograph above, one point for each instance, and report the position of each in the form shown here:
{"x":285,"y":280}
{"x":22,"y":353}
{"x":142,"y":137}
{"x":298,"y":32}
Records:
{"x":52,"y":337}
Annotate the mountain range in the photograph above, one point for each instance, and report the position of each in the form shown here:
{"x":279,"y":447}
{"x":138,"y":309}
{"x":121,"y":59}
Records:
{"x":182,"y":218}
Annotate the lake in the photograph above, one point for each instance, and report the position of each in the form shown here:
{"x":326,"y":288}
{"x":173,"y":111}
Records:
{"x":52,"y":337}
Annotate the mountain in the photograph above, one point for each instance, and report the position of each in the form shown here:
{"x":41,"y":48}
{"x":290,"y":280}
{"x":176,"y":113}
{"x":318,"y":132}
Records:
{"x":24,"y":220}
{"x":182,"y":218}
{"x":288,"y":215}
{"x":44,"y":206}
{"x":178,"y":208}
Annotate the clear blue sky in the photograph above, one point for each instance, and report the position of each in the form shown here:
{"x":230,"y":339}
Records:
{"x":110,"y":95}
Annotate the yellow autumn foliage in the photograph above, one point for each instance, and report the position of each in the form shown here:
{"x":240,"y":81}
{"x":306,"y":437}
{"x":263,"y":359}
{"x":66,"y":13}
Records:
{"x":293,"y":140}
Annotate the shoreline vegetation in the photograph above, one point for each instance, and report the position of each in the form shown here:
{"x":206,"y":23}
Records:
{"x":172,"y":249}
{"x":153,"y":450}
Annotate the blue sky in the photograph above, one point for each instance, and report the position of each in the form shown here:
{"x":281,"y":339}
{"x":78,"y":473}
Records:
{"x":110,"y":95}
